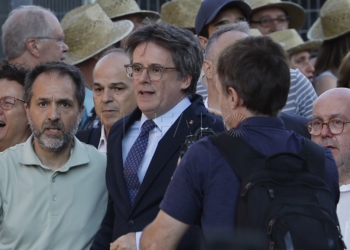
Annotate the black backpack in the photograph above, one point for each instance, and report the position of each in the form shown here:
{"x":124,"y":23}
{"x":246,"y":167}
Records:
{"x":283,"y":197}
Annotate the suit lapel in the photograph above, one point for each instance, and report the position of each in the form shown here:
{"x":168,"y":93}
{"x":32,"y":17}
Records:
{"x":126,"y":124}
{"x":186,"y":124}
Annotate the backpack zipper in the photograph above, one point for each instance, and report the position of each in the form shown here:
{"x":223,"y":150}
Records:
{"x":249,"y":185}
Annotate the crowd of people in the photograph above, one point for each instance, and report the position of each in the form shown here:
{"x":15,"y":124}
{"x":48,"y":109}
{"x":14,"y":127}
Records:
{"x":96,"y":110}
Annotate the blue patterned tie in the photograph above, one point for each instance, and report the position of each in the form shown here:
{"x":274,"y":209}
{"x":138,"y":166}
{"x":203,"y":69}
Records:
{"x":134,"y":158}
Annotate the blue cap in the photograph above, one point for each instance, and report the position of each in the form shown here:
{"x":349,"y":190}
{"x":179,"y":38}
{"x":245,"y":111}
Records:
{"x":210,"y":8}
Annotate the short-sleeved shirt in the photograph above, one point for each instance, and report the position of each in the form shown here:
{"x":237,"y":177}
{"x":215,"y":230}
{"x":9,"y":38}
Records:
{"x":204,"y":189}
{"x":45,"y":209}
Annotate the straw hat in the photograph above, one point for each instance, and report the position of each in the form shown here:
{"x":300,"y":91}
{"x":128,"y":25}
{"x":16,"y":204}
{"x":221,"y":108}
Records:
{"x":181,"y":13}
{"x":291,"y":41}
{"x":119,"y":8}
{"x":294,"y":11}
{"x":333,"y":22}
{"x":89,"y":31}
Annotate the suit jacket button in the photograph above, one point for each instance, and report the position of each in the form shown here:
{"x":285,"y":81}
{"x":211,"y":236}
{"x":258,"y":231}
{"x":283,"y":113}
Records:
{"x":131,"y":223}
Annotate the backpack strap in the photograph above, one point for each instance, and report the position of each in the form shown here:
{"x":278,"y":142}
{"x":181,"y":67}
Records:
{"x":238,"y":153}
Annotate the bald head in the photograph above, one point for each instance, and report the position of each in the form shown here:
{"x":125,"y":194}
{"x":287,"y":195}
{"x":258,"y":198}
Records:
{"x":113,"y":91}
{"x":333,"y":108}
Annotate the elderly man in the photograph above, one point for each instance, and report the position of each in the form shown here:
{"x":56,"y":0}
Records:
{"x":86,"y":49}
{"x":301,"y":94}
{"x":204,"y":188}
{"x":32,"y":35}
{"x":52,"y":193}
{"x":114,"y":98}
{"x":14,"y":127}
{"x":273,"y":15}
{"x":143,"y":148}
{"x":329,"y":127}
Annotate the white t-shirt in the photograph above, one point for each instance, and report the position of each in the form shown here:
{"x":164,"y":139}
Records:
{"x":343,"y":212}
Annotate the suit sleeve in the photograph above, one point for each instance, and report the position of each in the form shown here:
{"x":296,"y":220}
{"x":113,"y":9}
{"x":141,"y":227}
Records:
{"x":332,"y":177}
{"x":104,"y":235}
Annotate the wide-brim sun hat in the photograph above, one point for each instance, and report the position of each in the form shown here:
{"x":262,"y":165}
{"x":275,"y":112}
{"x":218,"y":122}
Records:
{"x":181,"y":13}
{"x":295,"y":12}
{"x":120,"y":8}
{"x":88,"y":31}
{"x":334,"y":20}
{"x":209,"y":9}
{"x":292,"y":43}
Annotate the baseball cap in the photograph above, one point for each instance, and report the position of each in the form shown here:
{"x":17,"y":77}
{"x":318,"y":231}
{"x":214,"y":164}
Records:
{"x":210,"y":8}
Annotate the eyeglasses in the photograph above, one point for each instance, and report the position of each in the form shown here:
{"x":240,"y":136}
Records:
{"x":336,"y":126}
{"x":154,"y":71}
{"x":7,"y":102}
{"x":266,"y":22}
{"x":58,"y":39}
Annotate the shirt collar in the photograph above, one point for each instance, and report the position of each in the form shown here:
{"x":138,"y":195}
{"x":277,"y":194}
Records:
{"x":78,"y":156}
{"x":262,"y":121}
{"x":169,"y":117}
{"x":102,"y":145}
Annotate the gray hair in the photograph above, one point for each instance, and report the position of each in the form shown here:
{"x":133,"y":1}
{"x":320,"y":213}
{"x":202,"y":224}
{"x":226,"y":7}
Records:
{"x":23,"y":23}
{"x":184,"y":47}
{"x":240,"y":26}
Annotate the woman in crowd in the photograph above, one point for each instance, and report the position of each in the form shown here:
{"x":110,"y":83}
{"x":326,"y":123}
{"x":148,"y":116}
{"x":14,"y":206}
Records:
{"x":298,"y":51}
{"x":333,"y":27}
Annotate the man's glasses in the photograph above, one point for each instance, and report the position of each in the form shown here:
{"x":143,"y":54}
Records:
{"x":266,"y":22}
{"x":154,"y":71}
{"x":58,"y":39}
{"x":336,"y":126}
{"x":7,"y":102}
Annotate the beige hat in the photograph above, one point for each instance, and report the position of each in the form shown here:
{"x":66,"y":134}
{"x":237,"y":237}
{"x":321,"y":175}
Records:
{"x":181,"y":13}
{"x":119,"y":8}
{"x":294,"y":11}
{"x":334,"y":20}
{"x":89,"y":31}
{"x":255,"y":32}
{"x":291,"y":41}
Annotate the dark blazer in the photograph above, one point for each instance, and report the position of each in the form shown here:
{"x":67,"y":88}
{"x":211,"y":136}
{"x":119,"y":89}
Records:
{"x":122,"y":218}
{"x":90,"y":136}
{"x":296,"y":123}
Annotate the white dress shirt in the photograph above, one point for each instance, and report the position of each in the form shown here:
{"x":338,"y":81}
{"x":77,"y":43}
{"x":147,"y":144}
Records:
{"x":163,"y":122}
{"x":343,"y":212}
{"x":102,"y":145}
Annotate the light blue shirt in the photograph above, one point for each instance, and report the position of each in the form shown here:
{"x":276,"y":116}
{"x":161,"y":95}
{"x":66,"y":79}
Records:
{"x":88,"y":104}
{"x":163,"y":122}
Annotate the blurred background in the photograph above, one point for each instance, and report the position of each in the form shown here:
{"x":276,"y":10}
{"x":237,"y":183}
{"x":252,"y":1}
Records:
{"x":61,"y":7}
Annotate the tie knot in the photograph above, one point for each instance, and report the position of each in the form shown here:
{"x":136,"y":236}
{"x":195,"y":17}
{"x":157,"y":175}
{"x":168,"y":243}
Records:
{"x":147,"y":126}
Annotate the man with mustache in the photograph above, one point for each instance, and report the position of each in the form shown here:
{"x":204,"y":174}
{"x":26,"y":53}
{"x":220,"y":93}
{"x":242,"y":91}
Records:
{"x":52,"y":193}
{"x":113,"y":94}
{"x":329,"y":127}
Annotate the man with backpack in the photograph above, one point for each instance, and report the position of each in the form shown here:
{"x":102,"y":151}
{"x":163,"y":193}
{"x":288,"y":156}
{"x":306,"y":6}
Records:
{"x":257,"y":180}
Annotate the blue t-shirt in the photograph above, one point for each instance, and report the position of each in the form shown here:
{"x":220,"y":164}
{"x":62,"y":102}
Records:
{"x":204,"y":188}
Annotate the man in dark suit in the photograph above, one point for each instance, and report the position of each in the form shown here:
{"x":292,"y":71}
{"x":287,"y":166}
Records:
{"x":143,"y":148}
{"x":113,"y":95}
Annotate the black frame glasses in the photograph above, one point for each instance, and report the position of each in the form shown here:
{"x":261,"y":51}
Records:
{"x":336,"y":126}
{"x":266,"y":22}
{"x":154,"y":71}
{"x":7,"y":102}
